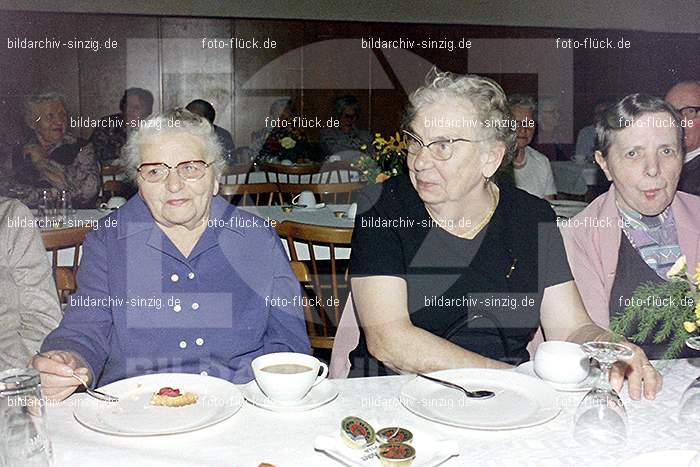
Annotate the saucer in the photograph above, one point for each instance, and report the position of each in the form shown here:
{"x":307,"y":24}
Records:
{"x":528,"y":368}
{"x":303,"y":207}
{"x":319,"y":395}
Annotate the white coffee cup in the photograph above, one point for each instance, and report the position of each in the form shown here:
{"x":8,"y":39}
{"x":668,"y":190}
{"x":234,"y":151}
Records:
{"x":114,"y":202}
{"x":286,"y":162}
{"x":561,"y":362}
{"x":352,"y":211}
{"x":286,"y":377}
{"x":305,"y":198}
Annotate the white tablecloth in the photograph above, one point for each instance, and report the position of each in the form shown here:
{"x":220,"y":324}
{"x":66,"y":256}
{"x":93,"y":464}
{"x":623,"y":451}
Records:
{"x":255,"y":435}
{"x":322,"y":216}
{"x":575,"y":177}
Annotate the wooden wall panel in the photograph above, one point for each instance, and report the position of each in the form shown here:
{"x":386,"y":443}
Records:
{"x":266,"y":74}
{"x":103,"y":75}
{"x":191,"y":71}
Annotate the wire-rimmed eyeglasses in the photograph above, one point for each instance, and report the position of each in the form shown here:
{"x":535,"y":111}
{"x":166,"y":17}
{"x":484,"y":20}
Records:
{"x":690,"y":112}
{"x":441,"y":149}
{"x":158,"y":171}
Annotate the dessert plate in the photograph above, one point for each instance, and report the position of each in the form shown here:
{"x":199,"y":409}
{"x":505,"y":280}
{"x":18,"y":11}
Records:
{"x":429,"y":450}
{"x":520,"y":401}
{"x":528,"y":368}
{"x":319,"y":395}
{"x":134,"y":415}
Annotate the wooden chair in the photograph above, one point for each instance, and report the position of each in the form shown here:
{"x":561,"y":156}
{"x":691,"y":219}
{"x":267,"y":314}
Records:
{"x":317,"y":340}
{"x":273,"y":172}
{"x":338,"y":172}
{"x":333,"y":193}
{"x":327,"y":280}
{"x":251,"y":194}
{"x":112,"y":186}
{"x":236,"y":174}
{"x":63,"y":239}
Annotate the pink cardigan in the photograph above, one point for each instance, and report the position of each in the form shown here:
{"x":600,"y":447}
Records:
{"x":591,"y":247}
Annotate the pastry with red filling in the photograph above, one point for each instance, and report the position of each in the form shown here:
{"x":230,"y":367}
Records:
{"x":172,"y":397}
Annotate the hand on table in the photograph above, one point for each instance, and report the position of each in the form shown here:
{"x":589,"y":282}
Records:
{"x":640,"y":374}
{"x":56,"y":368}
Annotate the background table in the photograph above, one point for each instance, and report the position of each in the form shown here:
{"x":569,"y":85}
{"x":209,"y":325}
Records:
{"x":575,"y":178}
{"x":322,"y":216}
{"x":255,"y":435}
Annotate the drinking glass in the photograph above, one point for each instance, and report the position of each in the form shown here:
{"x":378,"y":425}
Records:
{"x":23,"y":435}
{"x":601,"y":417}
{"x":689,"y":408}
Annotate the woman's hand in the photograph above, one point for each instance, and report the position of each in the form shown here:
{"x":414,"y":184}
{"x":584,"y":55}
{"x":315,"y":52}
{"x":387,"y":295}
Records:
{"x":34,"y":152}
{"x":641,"y":375}
{"x":56,"y":368}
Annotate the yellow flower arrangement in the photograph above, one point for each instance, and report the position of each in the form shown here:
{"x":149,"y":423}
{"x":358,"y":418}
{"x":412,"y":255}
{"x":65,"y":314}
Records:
{"x":383,"y":160}
{"x":673,"y":318}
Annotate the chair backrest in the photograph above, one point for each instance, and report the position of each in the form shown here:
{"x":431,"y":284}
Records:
{"x":109,"y":170}
{"x":317,"y":340}
{"x":236,"y":174}
{"x":327,"y":279}
{"x":113,"y":188}
{"x":276,"y":173}
{"x":251,"y":194}
{"x":64,"y":239}
{"x":334,"y":193}
{"x":338,"y":172}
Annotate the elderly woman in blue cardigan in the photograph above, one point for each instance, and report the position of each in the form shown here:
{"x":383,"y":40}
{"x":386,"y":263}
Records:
{"x":177,"y":280}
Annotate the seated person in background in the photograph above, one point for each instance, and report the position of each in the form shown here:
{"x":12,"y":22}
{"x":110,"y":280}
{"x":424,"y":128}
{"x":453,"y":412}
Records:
{"x":180,"y":284}
{"x":636,"y":231}
{"x":29,"y":307}
{"x":52,"y":159}
{"x":549,"y":139}
{"x":531,"y":169}
{"x":685,"y":97}
{"x":586,"y":136}
{"x":206,"y":110}
{"x":281,"y":109}
{"x":453,"y":233}
{"x":346,"y":137}
{"x":135,"y":105}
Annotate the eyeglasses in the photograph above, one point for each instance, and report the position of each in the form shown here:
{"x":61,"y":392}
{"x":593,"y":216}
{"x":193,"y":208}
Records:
{"x":441,"y":149}
{"x":690,"y":112}
{"x":188,"y":170}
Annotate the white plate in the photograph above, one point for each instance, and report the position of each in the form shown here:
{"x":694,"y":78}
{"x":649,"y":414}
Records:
{"x":666,"y":457}
{"x":520,"y":401}
{"x":429,"y":450}
{"x":318,"y":396}
{"x":133,"y":415}
{"x":528,"y":368}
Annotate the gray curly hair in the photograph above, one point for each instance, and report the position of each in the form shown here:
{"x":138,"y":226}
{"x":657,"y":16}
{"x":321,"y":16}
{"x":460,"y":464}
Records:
{"x":484,"y":94}
{"x":175,"y":120}
{"x":32,"y":103}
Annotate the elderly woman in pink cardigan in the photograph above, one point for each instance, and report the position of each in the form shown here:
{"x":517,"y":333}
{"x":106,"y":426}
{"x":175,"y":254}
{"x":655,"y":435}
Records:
{"x":636,"y":231}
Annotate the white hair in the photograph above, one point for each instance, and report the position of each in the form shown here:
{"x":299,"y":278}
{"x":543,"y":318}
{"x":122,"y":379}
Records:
{"x":32,"y":103}
{"x":177,"y":120}
{"x":484,"y":94}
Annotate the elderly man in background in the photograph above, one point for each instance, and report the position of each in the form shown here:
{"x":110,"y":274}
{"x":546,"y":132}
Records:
{"x":52,"y":160}
{"x":29,"y":307}
{"x":206,"y":110}
{"x":110,"y":135}
{"x":347,"y":137}
{"x":532,"y":170}
{"x":685,"y":97}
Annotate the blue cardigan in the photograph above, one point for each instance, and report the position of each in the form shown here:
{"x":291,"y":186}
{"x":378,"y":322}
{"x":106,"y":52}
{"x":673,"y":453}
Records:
{"x":142,"y":307}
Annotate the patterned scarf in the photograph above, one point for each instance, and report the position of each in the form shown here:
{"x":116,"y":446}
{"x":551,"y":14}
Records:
{"x":654,"y":237}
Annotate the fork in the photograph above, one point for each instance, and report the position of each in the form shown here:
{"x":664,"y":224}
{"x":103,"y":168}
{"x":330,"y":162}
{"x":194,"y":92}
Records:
{"x":481,"y":394}
{"x":94,"y":393}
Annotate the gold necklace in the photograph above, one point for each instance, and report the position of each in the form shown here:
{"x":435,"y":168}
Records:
{"x":474,"y":231}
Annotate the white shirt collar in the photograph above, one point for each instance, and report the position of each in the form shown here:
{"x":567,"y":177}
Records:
{"x":692,"y":155}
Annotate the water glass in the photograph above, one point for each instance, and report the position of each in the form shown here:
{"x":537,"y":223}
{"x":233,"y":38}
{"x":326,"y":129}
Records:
{"x":601,"y":418}
{"x":23,"y":435}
